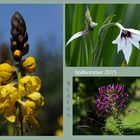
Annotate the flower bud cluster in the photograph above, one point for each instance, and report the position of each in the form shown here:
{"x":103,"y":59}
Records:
{"x":19,"y":45}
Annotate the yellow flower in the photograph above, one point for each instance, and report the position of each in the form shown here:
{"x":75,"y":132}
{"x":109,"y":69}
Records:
{"x":8,"y":97}
{"x":29,"y":113}
{"x":60,"y":120}
{"x":6,"y":73}
{"x":29,"y":64}
{"x":28,"y":88}
{"x":29,"y":84}
{"x":59,"y":132}
{"x":37,"y":98}
{"x":17,"y":54}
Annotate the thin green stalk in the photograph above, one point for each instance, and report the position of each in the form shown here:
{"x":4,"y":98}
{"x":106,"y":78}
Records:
{"x":92,"y":45}
{"x":10,"y":129}
{"x":19,"y":127}
{"x":118,"y":120}
{"x":99,"y":46}
{"x":91,"y":40}
{"x":84,"y":53}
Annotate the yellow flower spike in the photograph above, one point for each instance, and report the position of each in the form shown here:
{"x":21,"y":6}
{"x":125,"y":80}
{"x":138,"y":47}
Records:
{"x":37,"y":98}
{"x":29,"y":64}
{"x":6,"y":73}
{"x":29,"y":84}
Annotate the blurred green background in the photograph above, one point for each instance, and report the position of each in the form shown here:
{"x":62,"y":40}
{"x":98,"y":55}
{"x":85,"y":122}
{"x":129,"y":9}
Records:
{"x":85,"y":119}
{"x":46,"y":46}
{"x":127,"y":14}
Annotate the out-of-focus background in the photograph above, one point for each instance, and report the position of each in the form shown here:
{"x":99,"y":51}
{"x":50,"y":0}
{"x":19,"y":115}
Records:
{"x":85,"y":120}
{"x":45,"y":30}
{"x":127,"y":14}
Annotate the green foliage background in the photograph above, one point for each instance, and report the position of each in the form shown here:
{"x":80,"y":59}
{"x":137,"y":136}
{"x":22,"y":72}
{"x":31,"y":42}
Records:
{"x":126,"y":14}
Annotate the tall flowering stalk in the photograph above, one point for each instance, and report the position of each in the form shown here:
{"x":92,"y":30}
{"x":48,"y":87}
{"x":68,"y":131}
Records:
{"x":112,"y":100}
{"x":19,"y":92}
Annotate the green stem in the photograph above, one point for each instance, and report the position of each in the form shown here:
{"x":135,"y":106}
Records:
{"x":92,"y":46}
{"x":119,"y":125}
{"x":91,"y":40}
{"x":19,"y":128}
{"x":84,"y":53}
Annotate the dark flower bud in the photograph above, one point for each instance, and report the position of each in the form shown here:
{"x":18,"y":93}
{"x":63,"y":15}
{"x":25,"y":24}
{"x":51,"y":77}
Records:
{"x":25,"y":48}
{"x":19,"y":36}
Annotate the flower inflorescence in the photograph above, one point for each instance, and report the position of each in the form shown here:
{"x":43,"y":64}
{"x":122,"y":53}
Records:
{"x":111,"y":98}
{"x":16,"y":87}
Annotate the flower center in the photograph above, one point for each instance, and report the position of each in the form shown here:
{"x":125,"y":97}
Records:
{"x":125,"y":34}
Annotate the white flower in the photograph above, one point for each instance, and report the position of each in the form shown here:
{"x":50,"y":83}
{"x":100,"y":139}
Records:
{"x":82,"y":33}
{"x":125,"y":40}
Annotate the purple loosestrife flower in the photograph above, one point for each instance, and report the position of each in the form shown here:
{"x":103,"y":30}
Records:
{"x":111,"y":98}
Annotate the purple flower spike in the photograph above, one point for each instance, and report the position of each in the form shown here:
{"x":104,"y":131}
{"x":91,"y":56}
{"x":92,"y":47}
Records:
{"x":111,"y":97}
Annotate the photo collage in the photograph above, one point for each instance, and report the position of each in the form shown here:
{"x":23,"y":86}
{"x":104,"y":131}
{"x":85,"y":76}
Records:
{"x":69,"y":69}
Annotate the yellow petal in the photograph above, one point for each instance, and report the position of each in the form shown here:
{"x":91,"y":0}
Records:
{"x":10,"y":114}
{"x":36,"y":96}
{"x":29,"y":84}
{"x":6,"y":73}
{"x":9,"y":90}
{"x":28,"y":108}
{"x":7,"y":68}
{"x":29,"y":64}
{"x":30,"y":104}
{"x":5,"y":77}
{"x":29,"y":113}
{"x":36,"y":82}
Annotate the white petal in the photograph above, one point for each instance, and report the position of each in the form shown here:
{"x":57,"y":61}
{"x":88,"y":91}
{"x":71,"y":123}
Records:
{"x":120,"y":26}
{"x":117,"y":40}
{"x":136,"y":37}
{"x":81,"y":33}
{"x":93,"y":24}
{"x":133,"y":31}
{"x":127,"y":50}
{"x":134,"y":42}
{"x":121,"y":44}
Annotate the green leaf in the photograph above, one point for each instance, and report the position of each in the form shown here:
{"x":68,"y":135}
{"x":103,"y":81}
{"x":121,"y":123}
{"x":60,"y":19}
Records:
{"x":102,"y":33}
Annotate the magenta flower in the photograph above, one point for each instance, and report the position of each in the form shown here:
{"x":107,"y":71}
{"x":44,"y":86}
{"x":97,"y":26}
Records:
{"x":111,"y":97}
